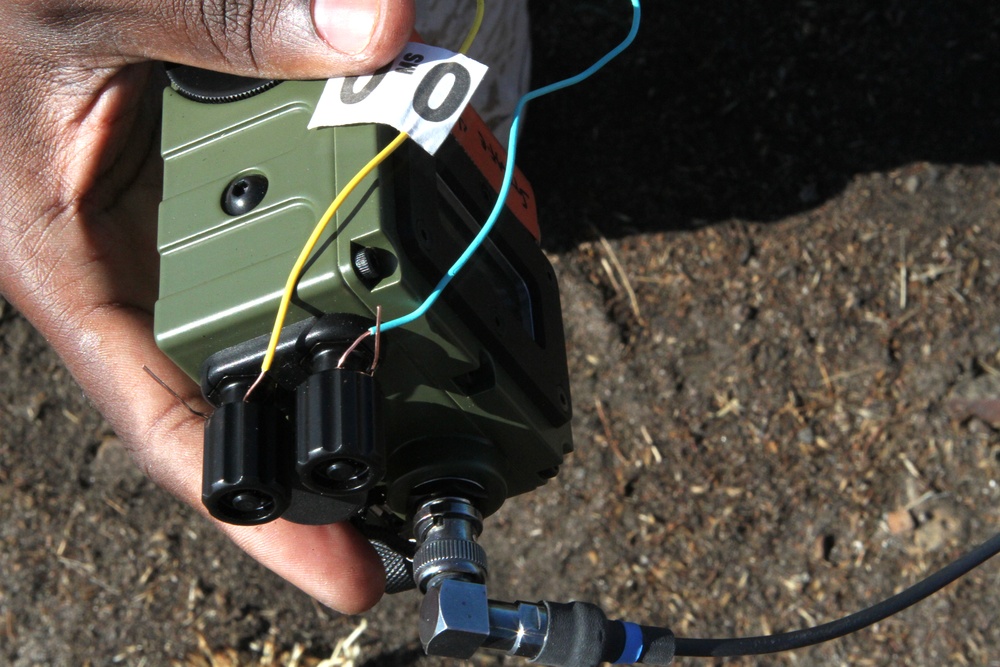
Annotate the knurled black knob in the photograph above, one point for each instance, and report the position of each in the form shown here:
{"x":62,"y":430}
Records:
{"x":204,"y":85}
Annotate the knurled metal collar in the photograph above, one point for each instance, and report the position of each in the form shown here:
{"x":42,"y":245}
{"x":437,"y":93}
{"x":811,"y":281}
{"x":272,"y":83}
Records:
{"x":446,"y":530}
{"x":457,"y":558}
{"x":458,"y":512}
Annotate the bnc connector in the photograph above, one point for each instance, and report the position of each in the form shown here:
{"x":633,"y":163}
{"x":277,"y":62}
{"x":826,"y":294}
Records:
{"x":446,"y":530}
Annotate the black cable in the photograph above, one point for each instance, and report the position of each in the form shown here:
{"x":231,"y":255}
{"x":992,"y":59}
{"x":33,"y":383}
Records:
{"x":807,"y":637}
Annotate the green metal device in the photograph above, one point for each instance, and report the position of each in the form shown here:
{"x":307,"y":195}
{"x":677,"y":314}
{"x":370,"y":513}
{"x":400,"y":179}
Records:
{"x":473,"y":398}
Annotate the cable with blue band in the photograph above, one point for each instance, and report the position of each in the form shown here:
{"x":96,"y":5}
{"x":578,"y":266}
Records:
{"x":632,"y":650}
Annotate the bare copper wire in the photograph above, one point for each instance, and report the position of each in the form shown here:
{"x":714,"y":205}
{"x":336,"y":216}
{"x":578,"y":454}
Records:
{"x":343,"y":358}
{"x":260,"y":378}
{"x":378,"y":339}
{"x":354,"y":346}
{"x":368,"y":332}
{"x":173,"y":393}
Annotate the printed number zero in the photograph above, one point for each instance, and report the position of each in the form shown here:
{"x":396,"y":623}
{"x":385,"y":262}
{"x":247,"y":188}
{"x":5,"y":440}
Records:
{"x":428,"y":85}
{"x":452,"y":103}
{"x":350,"y":96}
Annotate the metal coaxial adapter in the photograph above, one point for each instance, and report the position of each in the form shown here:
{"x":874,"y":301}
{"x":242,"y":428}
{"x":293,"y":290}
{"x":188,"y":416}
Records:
{"x":446,"y":530}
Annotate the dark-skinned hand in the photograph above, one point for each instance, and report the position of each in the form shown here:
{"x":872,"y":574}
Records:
{"x":79,"y":189}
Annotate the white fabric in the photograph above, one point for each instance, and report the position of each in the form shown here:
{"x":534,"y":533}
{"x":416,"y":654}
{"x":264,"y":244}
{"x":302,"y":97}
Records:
{"x":503,"y":43}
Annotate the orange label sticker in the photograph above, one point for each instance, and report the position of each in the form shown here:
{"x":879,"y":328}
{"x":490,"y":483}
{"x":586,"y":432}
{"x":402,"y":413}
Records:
{"x":490,"y":157}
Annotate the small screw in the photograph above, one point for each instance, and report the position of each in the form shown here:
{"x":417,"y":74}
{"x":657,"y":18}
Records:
{"x":563,"y":398}
{"x":372,"y":265}
{"x":366,"y":262}
{"x":244,"y":193}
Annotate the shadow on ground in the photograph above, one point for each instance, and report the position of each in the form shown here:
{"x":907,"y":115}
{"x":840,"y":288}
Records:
{"x":753,"y":110}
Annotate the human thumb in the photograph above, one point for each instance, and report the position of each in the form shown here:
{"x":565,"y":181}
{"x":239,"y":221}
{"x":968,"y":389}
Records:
{"x":286,"y":39}
{"x":348,"y":26}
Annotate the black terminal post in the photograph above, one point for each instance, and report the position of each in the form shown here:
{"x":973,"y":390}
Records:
{"x":307,"y":443}
{"x":339,"y":450}
{"x":240,"y":482}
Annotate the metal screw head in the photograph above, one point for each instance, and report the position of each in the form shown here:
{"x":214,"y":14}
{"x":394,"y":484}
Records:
{"x":372,"y":265}
{"x":244,"y":193}
{"x":366,"y":261}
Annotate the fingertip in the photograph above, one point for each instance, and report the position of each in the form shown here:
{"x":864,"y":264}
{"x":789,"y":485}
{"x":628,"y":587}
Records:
{"x":369,"y":30}
{"x":334,"y":563}
{"x":361,"y":584}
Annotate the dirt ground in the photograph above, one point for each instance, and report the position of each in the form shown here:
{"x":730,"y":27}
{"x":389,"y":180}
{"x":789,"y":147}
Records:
{"x":776,"y":231}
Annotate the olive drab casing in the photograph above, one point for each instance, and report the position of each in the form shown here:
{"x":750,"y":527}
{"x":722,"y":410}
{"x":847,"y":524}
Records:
{"x":475,"y":392}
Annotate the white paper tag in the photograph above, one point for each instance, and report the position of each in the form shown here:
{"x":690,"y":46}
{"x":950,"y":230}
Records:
{"x":422,"y":92}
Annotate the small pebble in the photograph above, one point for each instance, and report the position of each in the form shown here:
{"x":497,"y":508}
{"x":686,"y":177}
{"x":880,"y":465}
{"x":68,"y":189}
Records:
{"x":900,"y":521}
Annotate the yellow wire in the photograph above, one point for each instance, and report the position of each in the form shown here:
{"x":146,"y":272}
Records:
{"x":307,"y":250}
{"x":474,"y":30}
{"x":293,"y":277}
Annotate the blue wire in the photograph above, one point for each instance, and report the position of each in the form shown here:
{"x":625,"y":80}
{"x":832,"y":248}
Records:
{"x":508,"y":175}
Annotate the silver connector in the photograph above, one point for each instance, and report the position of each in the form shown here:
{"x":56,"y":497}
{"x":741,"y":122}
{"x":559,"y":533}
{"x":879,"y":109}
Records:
{"x":450,"y":568}
{"x":446,"y":530}
{"x":456,"y":618}
{"x":517,"y":629}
